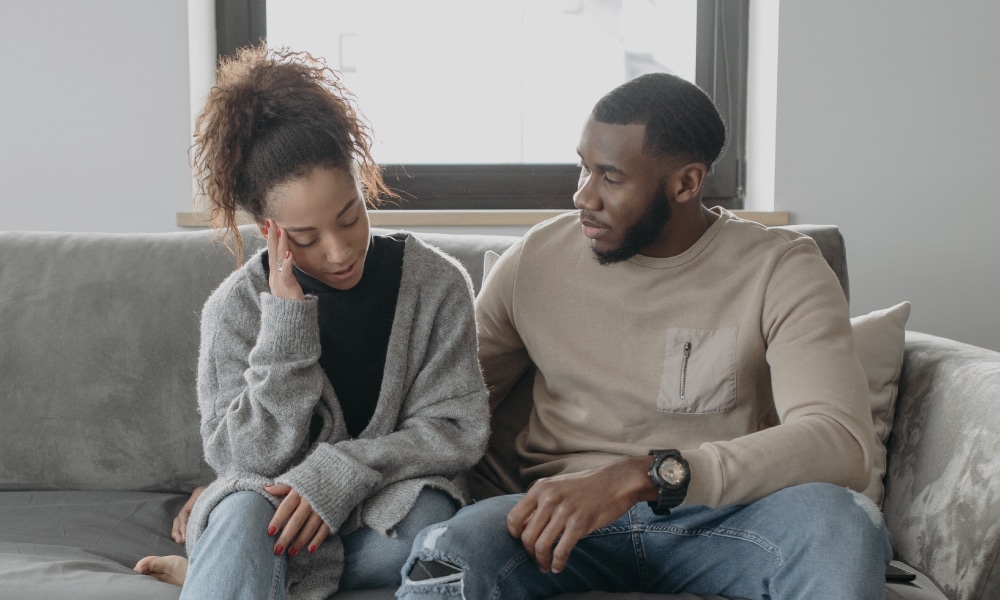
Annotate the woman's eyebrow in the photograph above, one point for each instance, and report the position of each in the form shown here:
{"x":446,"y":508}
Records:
{"x":349,"y":204}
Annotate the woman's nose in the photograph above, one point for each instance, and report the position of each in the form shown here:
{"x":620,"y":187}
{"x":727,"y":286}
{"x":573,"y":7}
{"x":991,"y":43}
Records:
{"x":339,"y":253}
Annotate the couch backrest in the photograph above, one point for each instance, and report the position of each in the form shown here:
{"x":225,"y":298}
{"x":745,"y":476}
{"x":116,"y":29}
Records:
{"x":98,"y":358}
{"x":99,"y":353}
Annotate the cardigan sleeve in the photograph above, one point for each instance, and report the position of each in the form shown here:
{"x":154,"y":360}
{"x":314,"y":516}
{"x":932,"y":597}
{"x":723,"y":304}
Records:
{"x":259,"y":380}
{"x":442,"y":423}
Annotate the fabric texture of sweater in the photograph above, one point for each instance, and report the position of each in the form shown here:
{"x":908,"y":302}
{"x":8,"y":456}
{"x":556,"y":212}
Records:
{"x":739,"y":352}
{"x":260,"y":384}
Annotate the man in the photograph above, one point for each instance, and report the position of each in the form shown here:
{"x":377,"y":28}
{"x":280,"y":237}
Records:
{"x":699,"y":412}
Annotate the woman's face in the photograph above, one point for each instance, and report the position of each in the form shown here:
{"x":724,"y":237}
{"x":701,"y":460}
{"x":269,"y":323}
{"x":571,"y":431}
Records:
{"x":325,"y":217}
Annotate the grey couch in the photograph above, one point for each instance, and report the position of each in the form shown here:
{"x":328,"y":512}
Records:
{"x":99,"y":442}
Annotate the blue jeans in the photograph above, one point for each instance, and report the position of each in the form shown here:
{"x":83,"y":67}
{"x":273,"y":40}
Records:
{"x":234,"y":557}
{"x":809,"y":541}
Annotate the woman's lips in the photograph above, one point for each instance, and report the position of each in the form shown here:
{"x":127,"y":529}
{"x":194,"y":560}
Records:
{"x":344,"y":274}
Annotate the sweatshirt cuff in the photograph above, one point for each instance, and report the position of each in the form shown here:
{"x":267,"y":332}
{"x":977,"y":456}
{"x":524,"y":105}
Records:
{"x":705,"y":488}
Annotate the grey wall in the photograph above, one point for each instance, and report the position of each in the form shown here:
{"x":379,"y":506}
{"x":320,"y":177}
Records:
{"x":887,"y":125}
{"x":94,"y":115}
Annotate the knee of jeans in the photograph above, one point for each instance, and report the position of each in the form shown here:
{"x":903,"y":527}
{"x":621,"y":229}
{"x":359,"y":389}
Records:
{"x":437,"y":545}
{"x":839,"y":514}
{"x":242,"y":506}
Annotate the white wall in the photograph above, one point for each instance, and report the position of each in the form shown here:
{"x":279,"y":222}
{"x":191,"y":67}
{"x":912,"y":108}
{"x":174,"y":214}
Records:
{"x":94,"y":115}
{"x":888,"y":126}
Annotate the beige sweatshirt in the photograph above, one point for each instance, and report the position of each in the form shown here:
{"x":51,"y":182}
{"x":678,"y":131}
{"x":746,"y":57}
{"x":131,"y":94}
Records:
{"x":739,"y":352}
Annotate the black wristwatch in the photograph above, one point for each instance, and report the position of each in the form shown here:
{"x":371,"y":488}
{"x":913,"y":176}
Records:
{"x":671,"y":475}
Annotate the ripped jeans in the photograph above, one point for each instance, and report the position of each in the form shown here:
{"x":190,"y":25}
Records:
{"x":235,"y":557}
{"x":810,"y":541}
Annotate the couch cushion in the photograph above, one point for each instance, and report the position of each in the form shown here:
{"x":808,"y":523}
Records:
{"x":83,"y":545}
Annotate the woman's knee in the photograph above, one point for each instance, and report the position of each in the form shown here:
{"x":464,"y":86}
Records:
{"x":241,"y":513}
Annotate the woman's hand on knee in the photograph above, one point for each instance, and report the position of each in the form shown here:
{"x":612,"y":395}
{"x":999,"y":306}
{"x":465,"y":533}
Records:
{"x":298,"y":523}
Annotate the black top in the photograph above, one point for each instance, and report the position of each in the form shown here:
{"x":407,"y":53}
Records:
{"x":354,"y":329}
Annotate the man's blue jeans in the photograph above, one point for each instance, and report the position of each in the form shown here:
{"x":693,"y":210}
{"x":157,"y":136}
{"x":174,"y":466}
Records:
{"x":234,"y":558}
{"x":810,"y":541}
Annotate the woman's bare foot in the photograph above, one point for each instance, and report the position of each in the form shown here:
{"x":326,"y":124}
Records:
{"x":168,"y":569}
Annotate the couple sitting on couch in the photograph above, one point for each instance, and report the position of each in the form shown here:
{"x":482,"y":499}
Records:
{"x":697,"y":385}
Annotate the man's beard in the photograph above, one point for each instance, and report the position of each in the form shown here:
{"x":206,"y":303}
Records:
{"x":640,"y":235}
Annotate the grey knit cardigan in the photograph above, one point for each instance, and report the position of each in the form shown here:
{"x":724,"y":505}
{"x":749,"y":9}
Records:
{"x":260,"y":383}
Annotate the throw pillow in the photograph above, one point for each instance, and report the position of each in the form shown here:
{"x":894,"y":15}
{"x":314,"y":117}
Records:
{"x":489,"y":259}
{"x":878,"y":341}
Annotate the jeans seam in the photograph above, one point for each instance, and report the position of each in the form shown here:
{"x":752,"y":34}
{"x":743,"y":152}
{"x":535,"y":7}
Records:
{"x":506,"y":571}
{"x":637,"y":527}
{"x":276,"y":579}
{"x":736,"y":534}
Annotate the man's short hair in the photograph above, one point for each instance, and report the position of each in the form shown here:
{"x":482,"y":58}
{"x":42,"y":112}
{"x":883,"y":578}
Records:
{"x":680,"y":119}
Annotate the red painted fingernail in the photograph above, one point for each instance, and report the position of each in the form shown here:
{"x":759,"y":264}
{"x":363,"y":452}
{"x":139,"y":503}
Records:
{"x":288,"y":254}
{"x":293,"y":552}
{"x":271,"y":529}
{"x":278,"y":550}
{"x":267,"y":223}
{"x":279,"y":233}
{"x":312,"y":548}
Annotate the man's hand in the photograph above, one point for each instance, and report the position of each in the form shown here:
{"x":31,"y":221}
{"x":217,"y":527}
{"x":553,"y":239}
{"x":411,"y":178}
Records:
{"x":179,"y":530}
{"x":298,"y":522}
{"x":571,"y":506}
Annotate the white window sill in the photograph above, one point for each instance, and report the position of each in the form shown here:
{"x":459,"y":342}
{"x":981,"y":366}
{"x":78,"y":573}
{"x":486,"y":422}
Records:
{"x":467,"y":218}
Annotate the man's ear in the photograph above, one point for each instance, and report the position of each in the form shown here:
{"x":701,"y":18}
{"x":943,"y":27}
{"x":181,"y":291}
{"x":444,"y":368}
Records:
{"x":687,"y":181}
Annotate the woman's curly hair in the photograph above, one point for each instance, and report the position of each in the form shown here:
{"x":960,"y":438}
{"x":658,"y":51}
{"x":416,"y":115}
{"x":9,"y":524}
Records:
{"x":271,"y":116}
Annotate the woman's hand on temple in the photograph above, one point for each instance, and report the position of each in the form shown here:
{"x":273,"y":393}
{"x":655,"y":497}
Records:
{"x":281,"y":279}
{"x":298,"y":523}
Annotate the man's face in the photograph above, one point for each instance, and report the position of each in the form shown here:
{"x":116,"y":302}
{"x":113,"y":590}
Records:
{"x":621,"y":193}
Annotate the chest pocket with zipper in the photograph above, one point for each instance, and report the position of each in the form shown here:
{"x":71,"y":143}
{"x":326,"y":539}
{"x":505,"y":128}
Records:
{"x":699,"y":371}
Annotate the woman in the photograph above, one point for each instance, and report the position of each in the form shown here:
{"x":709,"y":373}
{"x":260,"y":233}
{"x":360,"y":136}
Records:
{"x":338,"y":381}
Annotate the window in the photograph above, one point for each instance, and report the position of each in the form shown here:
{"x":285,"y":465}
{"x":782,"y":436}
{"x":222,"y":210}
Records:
{"x":478,"y":104}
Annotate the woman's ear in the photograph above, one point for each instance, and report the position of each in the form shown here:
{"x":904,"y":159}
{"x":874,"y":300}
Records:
{"x":688,"y":180}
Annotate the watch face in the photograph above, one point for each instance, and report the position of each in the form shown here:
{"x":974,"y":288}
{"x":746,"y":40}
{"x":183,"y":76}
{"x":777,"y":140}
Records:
{"x":672,"y":471}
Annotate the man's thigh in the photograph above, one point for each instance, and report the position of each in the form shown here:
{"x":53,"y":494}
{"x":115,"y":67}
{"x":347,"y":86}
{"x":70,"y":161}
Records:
{"x":808,"y":541}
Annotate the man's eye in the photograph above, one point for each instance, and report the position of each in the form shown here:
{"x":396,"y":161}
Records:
{"x":611,"y":181}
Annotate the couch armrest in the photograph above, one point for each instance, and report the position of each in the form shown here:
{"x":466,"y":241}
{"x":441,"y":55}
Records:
{"x":943,"y":479}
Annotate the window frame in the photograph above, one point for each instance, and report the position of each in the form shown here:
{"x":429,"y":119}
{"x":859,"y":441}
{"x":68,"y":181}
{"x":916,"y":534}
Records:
{"x":721,"y":70}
